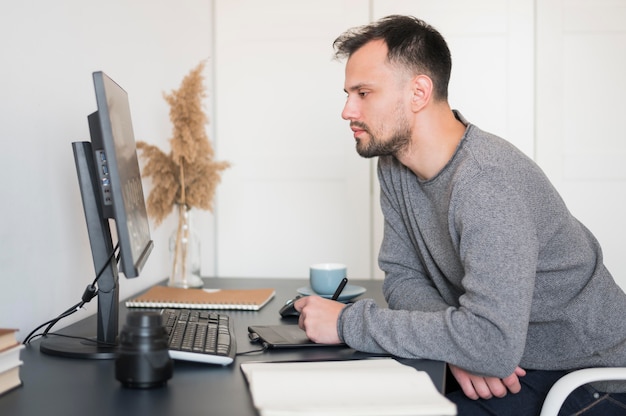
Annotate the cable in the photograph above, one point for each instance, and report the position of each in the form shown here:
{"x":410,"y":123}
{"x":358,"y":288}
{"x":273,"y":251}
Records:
{"x":106,"y":264}
{"x":68,"y":312}
{"x":100,"y":343}
{"x":90,"y":292}
{"x":265,"y":348}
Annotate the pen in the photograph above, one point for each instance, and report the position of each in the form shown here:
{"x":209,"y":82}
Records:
{"x":342,"y":284}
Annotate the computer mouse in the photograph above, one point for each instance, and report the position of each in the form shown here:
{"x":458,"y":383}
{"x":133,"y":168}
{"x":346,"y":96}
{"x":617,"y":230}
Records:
{"x":288,"y":309}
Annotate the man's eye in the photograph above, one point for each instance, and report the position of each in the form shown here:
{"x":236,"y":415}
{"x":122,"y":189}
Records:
{"x":362,"y":94}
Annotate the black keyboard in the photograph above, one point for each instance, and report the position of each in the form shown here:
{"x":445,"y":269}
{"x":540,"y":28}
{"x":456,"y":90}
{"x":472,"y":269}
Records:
{"x":200,"y":335}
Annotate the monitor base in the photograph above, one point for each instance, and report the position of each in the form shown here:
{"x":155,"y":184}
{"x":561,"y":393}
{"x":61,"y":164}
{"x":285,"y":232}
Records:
{"x":63,"y":346}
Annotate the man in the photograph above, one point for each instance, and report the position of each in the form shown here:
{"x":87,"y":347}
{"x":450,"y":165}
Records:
{"x":485,"y":268}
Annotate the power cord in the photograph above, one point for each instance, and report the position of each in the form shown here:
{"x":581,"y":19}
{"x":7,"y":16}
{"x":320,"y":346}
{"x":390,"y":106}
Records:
{"x":265,"y":348}
{"x":91,"y":291}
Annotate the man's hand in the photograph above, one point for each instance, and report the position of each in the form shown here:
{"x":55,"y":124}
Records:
{"x":318,"y":318}
{"x":475,"y":386}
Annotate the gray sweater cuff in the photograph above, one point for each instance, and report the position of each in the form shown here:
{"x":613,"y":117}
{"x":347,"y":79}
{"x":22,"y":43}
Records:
{"x":340,"y":322}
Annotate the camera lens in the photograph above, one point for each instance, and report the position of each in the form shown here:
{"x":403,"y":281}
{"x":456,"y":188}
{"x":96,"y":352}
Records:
{"x":143,"y":359}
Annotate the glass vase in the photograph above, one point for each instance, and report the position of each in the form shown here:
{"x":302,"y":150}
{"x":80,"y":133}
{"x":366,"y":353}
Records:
{"x":184,"y":252}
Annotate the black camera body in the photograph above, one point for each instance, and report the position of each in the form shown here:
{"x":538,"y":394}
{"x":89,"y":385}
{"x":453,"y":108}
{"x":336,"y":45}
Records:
{"x":143,"y":359}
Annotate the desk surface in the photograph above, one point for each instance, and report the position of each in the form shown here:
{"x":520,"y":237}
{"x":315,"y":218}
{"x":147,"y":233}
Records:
{"x":65,"y":386}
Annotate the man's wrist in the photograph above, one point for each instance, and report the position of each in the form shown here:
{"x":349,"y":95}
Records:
{"x":340,"y":323}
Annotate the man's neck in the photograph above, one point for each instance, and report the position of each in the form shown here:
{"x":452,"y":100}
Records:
{"x":436,"y":136}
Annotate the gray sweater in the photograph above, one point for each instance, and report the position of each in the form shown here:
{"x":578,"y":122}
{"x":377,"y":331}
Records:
{"x":487,"y":269}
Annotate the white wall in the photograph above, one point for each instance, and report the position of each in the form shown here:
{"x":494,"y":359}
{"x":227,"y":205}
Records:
{"x":581,"y":141}
{"x":49,"y":50}
{"x":297,"y":193}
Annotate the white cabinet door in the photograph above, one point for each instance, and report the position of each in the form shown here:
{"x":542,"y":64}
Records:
{"x":581,"y":141}
{"x":297,"y":193}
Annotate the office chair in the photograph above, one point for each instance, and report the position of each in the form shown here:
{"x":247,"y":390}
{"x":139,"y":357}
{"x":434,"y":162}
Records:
{"x":568,"y":383}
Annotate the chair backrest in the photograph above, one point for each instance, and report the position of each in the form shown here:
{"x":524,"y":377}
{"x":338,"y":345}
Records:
{"x":570,"y":382}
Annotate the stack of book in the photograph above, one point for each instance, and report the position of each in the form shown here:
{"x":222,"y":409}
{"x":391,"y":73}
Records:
{"x":9,"y":360}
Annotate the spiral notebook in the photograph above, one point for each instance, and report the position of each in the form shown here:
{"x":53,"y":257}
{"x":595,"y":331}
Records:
{"x":173,"y":297}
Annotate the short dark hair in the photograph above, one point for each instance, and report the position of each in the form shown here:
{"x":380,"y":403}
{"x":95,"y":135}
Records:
{"x":412,"y":43}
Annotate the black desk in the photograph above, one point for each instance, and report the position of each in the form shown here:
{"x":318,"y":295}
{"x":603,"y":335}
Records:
{"x":64,"y":386}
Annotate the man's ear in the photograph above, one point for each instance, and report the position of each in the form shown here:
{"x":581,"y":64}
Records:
{"x":422,"y":90}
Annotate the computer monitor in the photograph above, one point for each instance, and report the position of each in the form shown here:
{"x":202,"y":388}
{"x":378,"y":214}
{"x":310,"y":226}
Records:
{"x":111,"y":189}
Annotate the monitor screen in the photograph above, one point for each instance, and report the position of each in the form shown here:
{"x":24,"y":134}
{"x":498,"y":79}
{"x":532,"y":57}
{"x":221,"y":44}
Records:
{"x":110,"y":185}
{"x":113,"y":142}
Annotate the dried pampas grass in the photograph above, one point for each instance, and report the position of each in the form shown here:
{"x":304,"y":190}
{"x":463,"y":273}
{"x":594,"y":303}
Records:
{"x":188,"y":175}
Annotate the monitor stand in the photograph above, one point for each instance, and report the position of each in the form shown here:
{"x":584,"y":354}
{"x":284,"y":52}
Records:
{"x":76,"y":348}
{"x":104,"y":345}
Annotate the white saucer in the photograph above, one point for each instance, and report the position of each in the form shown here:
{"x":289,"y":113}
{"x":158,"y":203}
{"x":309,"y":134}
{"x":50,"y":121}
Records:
{"x":349,"y":292}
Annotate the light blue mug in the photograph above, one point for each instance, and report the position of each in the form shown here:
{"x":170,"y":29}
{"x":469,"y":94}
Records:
{"x":325,"y":277}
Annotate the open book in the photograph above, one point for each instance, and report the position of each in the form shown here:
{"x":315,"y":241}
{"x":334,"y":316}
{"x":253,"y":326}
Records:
{"x":380,"y":386}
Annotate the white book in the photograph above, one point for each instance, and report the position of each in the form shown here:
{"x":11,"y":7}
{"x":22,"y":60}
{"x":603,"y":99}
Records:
{"x":10,"y":357}
{"x":375,"y":387}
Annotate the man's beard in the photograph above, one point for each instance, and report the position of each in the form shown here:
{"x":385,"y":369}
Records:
{"x":399,"y":141}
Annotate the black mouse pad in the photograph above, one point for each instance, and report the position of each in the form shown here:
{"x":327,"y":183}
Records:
{"x":282,"y":336}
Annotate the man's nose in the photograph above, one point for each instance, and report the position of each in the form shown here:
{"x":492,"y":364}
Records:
{"x":349,"y":111}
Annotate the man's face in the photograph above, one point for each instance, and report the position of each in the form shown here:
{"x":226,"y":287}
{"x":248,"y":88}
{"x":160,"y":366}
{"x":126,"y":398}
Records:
{"x":377,"y":102}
